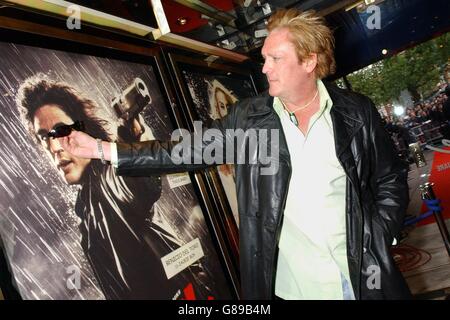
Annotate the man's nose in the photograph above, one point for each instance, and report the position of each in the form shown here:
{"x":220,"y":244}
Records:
{"x":54,"y":145}
{"x":266,"y":67}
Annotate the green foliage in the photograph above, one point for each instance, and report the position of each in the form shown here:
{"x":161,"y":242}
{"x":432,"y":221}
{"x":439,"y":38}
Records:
{"x":416,"y":69}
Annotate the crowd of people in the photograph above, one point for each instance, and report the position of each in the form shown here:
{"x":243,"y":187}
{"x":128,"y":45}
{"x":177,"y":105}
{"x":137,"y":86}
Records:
{"x":425,"y":122}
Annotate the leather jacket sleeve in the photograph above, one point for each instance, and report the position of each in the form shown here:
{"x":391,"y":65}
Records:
{"x":151,"y":157}
{"x":388,"y":177}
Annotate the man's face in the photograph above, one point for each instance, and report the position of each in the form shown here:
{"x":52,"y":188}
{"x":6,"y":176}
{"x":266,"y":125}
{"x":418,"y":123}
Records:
{"x":46,"y":118}
{"x":282,"y":68}
{"x":222,"y":103}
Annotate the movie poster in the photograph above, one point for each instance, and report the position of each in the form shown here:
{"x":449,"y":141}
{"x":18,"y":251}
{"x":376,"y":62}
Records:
{"x":71,"y":228}
{"x":212,"y":96}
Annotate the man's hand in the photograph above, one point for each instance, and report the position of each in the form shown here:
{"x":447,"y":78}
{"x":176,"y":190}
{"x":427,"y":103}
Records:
{"x":83,"y":145}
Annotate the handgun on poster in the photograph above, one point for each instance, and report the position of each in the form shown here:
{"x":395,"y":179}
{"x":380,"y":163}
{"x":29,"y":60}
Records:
{"x":128,"y":105}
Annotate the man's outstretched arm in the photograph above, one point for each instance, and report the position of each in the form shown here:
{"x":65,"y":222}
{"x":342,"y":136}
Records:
{"x":150,"y":157}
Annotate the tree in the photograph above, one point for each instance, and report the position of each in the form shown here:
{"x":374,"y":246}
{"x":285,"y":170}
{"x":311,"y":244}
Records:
{"x":416,"y":70}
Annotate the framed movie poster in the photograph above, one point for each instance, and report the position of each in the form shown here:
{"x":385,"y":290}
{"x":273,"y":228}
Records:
{"x":72,"y":228}
{"x":208,"y":91}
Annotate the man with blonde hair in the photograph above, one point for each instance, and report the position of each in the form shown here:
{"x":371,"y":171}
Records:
{"x":320,"y":227}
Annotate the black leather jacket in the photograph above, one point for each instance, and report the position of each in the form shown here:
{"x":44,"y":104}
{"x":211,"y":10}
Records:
{"x":376,"y":195}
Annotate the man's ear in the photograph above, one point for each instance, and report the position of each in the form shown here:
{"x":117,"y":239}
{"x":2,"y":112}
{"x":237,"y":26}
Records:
{"x":310,"y":63}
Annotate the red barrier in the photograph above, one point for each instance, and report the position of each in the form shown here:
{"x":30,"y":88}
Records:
{"x":440,"y":176}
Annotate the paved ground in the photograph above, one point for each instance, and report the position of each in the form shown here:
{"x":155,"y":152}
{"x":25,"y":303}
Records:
{"x":423,"y":251}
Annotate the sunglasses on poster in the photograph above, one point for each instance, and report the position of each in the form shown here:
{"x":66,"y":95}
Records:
{"x":65,"y":130}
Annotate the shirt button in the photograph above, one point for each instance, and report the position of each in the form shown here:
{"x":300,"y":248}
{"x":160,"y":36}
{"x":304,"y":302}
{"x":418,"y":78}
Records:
{"x":258,"y":254}
{"x":364,"y":250}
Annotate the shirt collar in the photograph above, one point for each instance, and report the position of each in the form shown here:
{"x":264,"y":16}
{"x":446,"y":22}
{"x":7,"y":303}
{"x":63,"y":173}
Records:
{"x":325,"y":101}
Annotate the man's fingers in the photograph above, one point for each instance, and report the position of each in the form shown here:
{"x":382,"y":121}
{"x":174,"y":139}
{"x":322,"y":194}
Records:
{"x":65,"y":142}
{"x":62,"y":142}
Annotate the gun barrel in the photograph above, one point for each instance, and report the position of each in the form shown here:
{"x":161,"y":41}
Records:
{"x":132,"y":100}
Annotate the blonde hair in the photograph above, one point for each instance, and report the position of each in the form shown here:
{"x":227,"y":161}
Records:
{"x":213,"y":88}
{"x":309,"y":34}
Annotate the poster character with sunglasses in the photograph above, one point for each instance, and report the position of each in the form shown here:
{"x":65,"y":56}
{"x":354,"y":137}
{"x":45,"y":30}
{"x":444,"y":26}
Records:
{"x":119,"y":236}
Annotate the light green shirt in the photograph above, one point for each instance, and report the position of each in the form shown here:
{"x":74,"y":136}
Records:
{"x":312,"y":249}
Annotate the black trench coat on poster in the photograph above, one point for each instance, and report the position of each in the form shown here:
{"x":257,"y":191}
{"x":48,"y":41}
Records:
{"x":376,"y":191}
